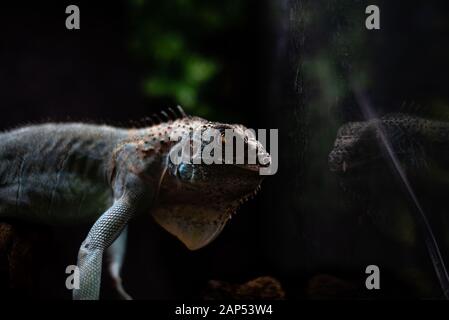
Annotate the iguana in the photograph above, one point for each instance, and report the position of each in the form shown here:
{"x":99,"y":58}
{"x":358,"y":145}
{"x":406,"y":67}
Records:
{"x":74,"y":173}
{"x":408,"y":142}
{"x":413,"y":139}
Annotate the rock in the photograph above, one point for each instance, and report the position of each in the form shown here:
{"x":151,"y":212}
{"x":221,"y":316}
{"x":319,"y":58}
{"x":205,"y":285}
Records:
{"x":264,"y":288}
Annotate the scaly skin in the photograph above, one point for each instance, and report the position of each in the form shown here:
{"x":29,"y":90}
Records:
{"x":412,"y":138}
{"x":77,"y":173}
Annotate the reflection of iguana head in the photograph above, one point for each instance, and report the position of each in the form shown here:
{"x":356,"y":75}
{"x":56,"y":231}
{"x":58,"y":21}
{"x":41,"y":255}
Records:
{"x":359,"y":144}
{"x":197,"y":198}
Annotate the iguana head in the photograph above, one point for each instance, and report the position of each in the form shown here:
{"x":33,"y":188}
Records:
{"x":196,"y":199}
{"x":352,"y":146}
{"x":359,"y":144}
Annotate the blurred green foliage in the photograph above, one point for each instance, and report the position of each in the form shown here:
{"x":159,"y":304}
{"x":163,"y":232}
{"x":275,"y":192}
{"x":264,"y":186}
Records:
{"x":175,"y":41}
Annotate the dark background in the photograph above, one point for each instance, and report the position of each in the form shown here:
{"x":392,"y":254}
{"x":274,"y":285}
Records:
{"x":267,"y":64}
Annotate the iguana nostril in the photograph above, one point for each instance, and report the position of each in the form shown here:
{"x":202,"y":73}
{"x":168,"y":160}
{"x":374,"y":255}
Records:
{"x":265,"y":161}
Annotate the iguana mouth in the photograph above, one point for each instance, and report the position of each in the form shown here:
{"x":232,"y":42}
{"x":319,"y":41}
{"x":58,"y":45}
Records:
{"x":256,"y":166}
{"x":250,"y":167}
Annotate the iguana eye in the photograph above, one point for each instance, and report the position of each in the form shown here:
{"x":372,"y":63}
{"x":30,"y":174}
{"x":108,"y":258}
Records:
{"x":184,"y":171}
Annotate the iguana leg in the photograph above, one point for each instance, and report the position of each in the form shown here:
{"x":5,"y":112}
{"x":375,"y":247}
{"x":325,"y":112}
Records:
{"x":115,"y":256}
{"x":100,"y":237}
